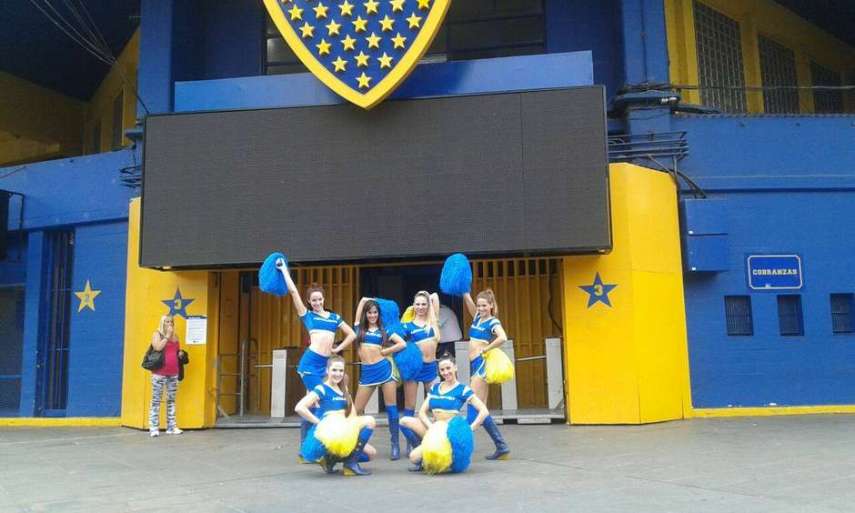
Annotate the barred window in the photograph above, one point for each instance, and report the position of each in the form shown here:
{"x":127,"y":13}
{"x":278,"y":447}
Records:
{"x":473,"y":29}
{"x":719,"y":60}
{"x":841,"y":314}
{"x":826,"y":101}
{"x":778,"y":68}
{"x":790,"y":315}
{"x":737,"y":311}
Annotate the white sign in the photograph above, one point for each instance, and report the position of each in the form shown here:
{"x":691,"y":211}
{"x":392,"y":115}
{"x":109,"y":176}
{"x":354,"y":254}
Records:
{"x":197,"y":330}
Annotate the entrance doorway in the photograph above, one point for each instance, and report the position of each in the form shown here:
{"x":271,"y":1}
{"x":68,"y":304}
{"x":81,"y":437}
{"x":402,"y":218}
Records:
{"x":253,"y":325}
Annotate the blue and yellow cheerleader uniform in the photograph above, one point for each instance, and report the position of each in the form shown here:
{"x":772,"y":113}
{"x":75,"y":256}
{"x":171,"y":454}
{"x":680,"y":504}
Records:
{"x":416,"y":334}
{"x":376,"y":373}
{"x":481,"y":330}
{"x":313,"y":366}
{"x":447,"y":445}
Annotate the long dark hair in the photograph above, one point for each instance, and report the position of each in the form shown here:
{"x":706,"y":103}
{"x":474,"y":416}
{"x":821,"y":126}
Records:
{"x":343,"y":385}
{"x":363,"y":323}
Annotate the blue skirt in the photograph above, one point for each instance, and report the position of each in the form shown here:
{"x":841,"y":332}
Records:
{"x":478,"y":368}
{"x":429,"y":372}
{"x":312,"y":368}
{"x":376,"y":373}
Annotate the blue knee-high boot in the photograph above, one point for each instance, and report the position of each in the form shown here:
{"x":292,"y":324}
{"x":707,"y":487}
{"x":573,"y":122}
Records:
{"x":394,"y":423}
{"x":502,"y":449}
{"x":351,"y":465}
{"x":413,"y":441}
{"x":408,"y":434}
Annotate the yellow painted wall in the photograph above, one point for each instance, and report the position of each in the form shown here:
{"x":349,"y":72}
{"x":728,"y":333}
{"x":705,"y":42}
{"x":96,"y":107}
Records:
{"x":122,"y":78}
{"x":36,"y":121}
{"x":756,"y":17}
{"x":628,"y":363}
{"x":145,"y":291}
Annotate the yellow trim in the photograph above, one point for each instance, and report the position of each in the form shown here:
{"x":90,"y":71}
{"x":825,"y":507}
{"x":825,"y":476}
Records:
{"x":389,"y":83}
{"x":770,"y":410}
{"x":60,"y":421}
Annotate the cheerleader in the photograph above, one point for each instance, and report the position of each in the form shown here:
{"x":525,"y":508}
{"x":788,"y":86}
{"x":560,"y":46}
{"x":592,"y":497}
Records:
{"x":373,"y":345}
{"x":423,"y":331}
{"x":485,"y":334}
{"x":330,"y":401}
{"x":322,"y":326}
{"x":444,"y":402}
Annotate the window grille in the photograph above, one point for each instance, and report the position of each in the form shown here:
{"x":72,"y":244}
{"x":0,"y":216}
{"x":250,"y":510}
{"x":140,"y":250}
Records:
{"x":790,"y":315}
{"x":737,"y":310}
{"x":719,"y":60}
{"x":778,"y":68}
{"x":825,"y":101}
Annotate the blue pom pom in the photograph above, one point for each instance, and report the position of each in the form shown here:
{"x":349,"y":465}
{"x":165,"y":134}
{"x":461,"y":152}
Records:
{"x":390,"y":315}
{"x":456,"y":277}
{"x":270,"y":279}
{"x":312,"y":448}
{"x":409,"y":362}
{"x":462,"y":444}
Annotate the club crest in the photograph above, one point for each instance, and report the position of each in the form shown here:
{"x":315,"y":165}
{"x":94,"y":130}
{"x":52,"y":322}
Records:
{"x":362,"y":50}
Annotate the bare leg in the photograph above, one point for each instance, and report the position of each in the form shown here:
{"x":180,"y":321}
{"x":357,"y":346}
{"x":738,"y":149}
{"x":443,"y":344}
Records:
{"x":390,"y":393}
{"x":411,"y":389}
{"x":363,"y":395}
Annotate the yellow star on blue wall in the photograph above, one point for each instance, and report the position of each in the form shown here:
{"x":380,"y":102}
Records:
{"x":87,"y":297}
{"x":598,"y":291}
{"x":178,"y":305}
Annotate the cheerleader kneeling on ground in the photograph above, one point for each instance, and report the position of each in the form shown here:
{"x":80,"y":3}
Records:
{"x":337,"y":434}
{"x":444,"y":443}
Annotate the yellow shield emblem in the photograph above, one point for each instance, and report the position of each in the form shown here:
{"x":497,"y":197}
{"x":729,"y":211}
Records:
{"x":362,"y":50}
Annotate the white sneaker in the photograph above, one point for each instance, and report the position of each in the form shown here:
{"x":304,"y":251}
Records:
{"x":154,"y":433}
{"x":174,"y":431}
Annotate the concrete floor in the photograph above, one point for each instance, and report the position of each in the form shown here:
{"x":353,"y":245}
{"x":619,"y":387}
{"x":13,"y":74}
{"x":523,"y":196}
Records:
{"x":771,"y":464}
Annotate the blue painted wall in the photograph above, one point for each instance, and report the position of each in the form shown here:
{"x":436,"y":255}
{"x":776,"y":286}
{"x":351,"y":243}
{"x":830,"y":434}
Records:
{"x":789,"y":184}
{"x":83,"y":195}
{"x":97,"y":338}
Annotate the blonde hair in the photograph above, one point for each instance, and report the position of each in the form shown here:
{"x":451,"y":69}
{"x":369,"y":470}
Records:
{"x":490,"y":297}
{"x":161,"y":327}
{"x":432,"y":317}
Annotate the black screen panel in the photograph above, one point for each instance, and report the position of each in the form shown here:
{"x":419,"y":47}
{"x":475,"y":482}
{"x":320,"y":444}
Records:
{"x":490,"y":174}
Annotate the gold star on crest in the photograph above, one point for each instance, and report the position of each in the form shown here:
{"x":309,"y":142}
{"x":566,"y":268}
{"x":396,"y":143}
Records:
{"x":340,"y":64}
{"x":307,"y":30}
{"x":363,"y":80}
{"x":399,"y":41}
{"x":386,"y":23}
{"x":87,"y":297}
{"x":333,"y":28}
{"x":359,"y":24}
{"x":323,"y":47}
{"x":348,"y":43}
{"x":385,"y":61}
{"x":414,"y":21}
{"x":320,"y":10}
{"x":424,"y":4}
{"x":397,"y":5}
{"x":362,"y":59}
{"x":296,"y":13}
{"x":373,"y":40}
{"x":346,"y":8}
{"x":371,"y":6}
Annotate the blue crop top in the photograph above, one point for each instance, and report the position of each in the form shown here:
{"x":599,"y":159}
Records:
{"x":414,"y":333}
{"x":313,"y":321}
{"x":452,"y":400}
{"x":330,"y":400}
{"x":483,"y":330}
{"x":372,"y":337}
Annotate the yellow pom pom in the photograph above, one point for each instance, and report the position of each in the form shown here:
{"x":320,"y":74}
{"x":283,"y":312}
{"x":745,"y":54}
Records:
{"x":338,"y":434}
{"x":436,"y":449}
{"x":409,"y":314}
{"x":498,"y":367}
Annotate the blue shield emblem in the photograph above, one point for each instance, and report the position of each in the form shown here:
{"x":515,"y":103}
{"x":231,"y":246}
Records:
{"x":362,"y":50}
